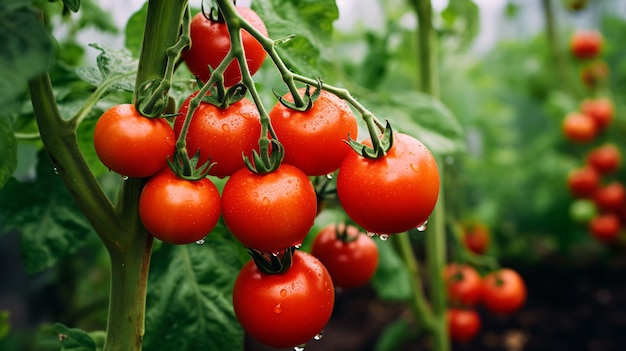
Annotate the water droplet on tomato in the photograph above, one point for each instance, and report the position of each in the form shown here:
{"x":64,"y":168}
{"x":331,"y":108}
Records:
{"x":330,"y":176}
{"x":415,"y":168}
{"x":226,"y":127}
{"x":124,"y":177}
{"x":299,"y":347}
{"x":283,"y":292}
{"x":371,"y":234}
{"x":266,"y":201}
{"x":384,"y":237}
{"x":319,"y":336}
{"x":200,"y":242}
{"x":422,"y":227}
{"x":297,"y":246}
{"x":278,"y":309}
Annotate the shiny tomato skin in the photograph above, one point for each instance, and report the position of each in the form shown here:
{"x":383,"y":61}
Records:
{"x":586,"y":44}
{"x":130,"y":144}
{"x":610,"y":197}
{"x":314,"y":140}
{"x":269,"y":212}
{"x":221,"y":135}
{"x":391,"y":194}
{"x":210,"y":43}
{"x":579,"y":128}
{"x":601,"y":110}
{"x":179,"y":211}
{"x":583,"y":182}
{"x":284,"y":310}
{"x":476,"y":237}
{"x":503,"y":291}
{"x":350,"y":264}
{"x":463,"y":284}
{"x":605,"y":227}
{"x":463,"y":324}
{"x":605,"y":158}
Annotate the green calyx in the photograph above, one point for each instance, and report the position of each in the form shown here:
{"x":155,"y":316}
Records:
{"x":308,"y":99}
{"x":187,"y":168}
{"x":341,"y":231}
{"x":273,"y":263}
{"x":380,"y":146}
{"x":268,"y":159}
{"x":221,"y":97}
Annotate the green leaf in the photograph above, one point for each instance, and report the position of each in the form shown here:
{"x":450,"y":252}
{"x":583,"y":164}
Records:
{"x":27,"y":48}
{"x":134,"y":30}
{"x":311,"y":21}
{"x":463,"y":18}
{"x":392,"y":280}
{"x":190,"y":296}
{"x":8,"y":150}
{"x":72,"y":5}
{"x":116,"y":67}
{"x":73,"y":339}
{"x":423,"y":117}
{"x":395,"y":336}
{"x":50,"y":223}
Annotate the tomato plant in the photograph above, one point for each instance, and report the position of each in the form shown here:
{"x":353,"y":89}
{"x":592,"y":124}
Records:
{"x":463,"y":324}
{"x":394,"y":193}
{"x":314,"y":139}
{"x":350,"y":256}
{"x":211,"y":41}
{"x":463,"y":283}
{"x":586,"y":44}
{"x":285,"y":309}
{"x":503,"y":291}
{"x":131,"y":144}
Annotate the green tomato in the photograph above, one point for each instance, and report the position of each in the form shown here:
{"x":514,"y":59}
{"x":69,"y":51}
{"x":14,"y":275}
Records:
{"x":581,"y":211}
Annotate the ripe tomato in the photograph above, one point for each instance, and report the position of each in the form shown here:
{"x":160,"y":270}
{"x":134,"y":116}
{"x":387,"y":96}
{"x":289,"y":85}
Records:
{"x":288,"y":309}
{"x":314,"y":139}
{"x":503,"y":291}
{"x":179,"y":211}
{"x":586,"y":44}
{"x":463,"y":325}
{"x":610,"y":197}
{"x":221,"y":135}
{"x":210,"y":43}
{"x":463,"y":283}
{"x":391,"y":194}
{"x":476,"y":237}
{"x":269,"y":212}
{"x":131,"y":144}
{"x":605,"y":227}
{"x":579,"y":127}
{"x":601,"y":110}
{"x":594,"y":73}
{"x":350,"y":263}
{"x":605,"y":159}
{"x":583,"y":182}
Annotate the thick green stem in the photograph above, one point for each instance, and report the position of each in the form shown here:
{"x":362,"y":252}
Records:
{"x":558,"y":54}
{"x":429,"y":68}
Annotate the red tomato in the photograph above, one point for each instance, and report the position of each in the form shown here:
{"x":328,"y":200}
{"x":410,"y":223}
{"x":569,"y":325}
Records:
{"x":586,"y":44}
{"x":610,"y":197}
{"x":476,"y":237}
{"x":314,"y":140}
{"x":579,"y":127}
{"x":583,"y":182}
{"x":391,"y":194}
{"x":179,"y":211}
{"x":504,"y":291}
{"x":350,"y":263}
{"x":463,"y":325}
{"x":221,"y":135}
{"x":269,"y":212}
{"x":463,"y":283}
{"x":288,"y":309}
{"x":605,"y":159}
{"x":210,"y":43}
{"x":594,"y":73}
{"x":601,"y":110}
{"x":605,"y":227}
{"x":131,"y":144}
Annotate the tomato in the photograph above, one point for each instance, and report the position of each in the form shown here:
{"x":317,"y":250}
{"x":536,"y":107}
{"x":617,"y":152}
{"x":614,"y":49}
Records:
{"x":314,"y":139}
{"x":463,"y":284}
{"x":131,"y":144}
{"x":605,"y":227}
{"x":582,"y":211}
{"x":269,"y":212}
{"x":350,"y":263}
{"x":594,"y":73}
{"x":579,"y":127}
{"x":503,"y":291}
{"x":605,"y":159}
{"x":221,"y":135}
{"x":601,"y":110}
{"x":179,"y":211}
{"x":288,"y":309}
{"x":583,"y":182}
{"x":586,"y":44}
{"x":391,"y":194}
{"x":463,"y":324}
{"x":610,"y":197}
{"x":210,"y":43}
{"x":476,"y":237}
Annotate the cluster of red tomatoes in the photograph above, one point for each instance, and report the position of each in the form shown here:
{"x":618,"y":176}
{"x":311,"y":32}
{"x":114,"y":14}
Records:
{"x":594,"y":183}
{"x":283,"y":297}
{"x":501,"y":291}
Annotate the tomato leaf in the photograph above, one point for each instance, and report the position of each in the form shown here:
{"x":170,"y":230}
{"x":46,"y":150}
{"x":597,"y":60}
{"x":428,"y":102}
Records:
{"x":463,"y":18}
{"x":396,"y":335}
{"x":392,"y":279}
{"x":50,"y":223}
{"x":27,"y":48}
{"x":311,"y":21}
{"x":189,"y":293}
{"x":8,"y":150}
{"x":74,"y":339}
{"x":116,"y":67}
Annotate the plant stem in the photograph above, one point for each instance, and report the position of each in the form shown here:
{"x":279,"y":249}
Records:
{"x":557,"y":53}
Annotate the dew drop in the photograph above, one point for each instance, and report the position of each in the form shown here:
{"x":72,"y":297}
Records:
{"x":266,"y":201}
{"x":422,"y":227}
{"x":319,"y":335}
{"x":278,"y":309}
{"x":299,"y":347}
{"x":415,"y":168}
{"x":330,"y":176}
{"x":200,"y":242}
{"x":384,"y":237}
{"x":283,"y":292}
{"x":371,"y":234}
{"x":56,"y":170}
{"x":226,"y":127}
{"x":124,"y":177}
{"x":297,"y":246}
{"x":275,"y":254}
